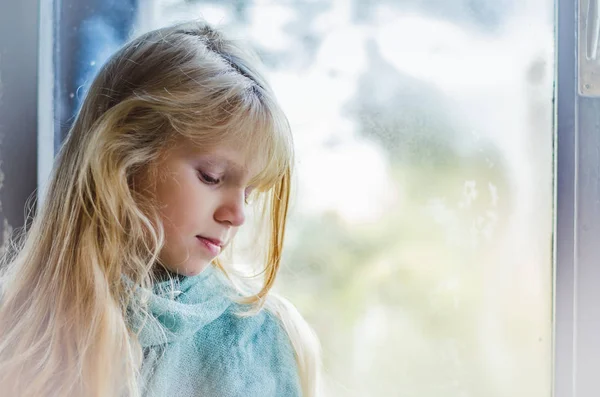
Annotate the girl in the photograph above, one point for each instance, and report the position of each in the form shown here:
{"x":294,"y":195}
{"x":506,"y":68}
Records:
{"x":118,"y":287}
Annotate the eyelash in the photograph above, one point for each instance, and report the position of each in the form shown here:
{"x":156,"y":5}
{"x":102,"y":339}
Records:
{"x":209,"y":180}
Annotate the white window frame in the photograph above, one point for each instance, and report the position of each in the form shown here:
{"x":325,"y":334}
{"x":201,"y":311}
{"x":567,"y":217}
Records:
{"x":577,"y":219}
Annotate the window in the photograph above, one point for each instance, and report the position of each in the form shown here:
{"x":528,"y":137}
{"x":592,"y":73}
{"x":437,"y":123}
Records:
{"x":420,"y":244}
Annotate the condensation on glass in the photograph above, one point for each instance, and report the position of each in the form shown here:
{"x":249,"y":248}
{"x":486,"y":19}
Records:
{"x":419,"y":244}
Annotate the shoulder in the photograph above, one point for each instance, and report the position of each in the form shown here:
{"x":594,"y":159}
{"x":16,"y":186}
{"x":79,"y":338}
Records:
{"x":261,"y":334}
{"x":253,"y":350}
{"x":304,"y":340}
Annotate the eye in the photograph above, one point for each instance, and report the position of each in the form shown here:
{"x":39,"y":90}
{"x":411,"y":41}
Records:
{"x":247,"y":194}
{"x":209,"y":180}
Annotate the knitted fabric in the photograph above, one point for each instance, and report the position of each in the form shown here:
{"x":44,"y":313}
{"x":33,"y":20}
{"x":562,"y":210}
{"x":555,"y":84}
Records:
{"x":194,"y":344}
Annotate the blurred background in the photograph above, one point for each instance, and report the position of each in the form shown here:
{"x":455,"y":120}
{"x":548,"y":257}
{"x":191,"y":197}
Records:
{"x":419,"y":244}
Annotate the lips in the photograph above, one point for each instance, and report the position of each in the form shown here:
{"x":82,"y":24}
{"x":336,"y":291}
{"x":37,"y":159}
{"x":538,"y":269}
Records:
{"x":213,"y":246}
{"x":212,"y":240}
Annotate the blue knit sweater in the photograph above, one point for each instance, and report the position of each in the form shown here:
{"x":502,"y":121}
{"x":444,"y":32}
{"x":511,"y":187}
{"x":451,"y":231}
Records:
{"x":196,"y":345}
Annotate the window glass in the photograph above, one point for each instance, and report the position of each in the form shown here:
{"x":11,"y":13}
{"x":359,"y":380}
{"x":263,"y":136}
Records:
{"x":419,"y":242}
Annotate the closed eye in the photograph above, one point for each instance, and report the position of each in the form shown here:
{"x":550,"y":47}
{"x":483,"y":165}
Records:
{"x":247,"y":195}
{"x":209,"y":180}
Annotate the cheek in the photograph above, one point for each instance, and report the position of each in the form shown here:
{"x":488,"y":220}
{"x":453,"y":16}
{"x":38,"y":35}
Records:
{"x":185,"y":202}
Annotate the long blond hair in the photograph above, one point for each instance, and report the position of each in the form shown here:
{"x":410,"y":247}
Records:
{"x":63,"y":317}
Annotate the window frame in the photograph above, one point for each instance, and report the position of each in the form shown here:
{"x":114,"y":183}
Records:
{"x":576,"y":320}
{"x":576,"y":355}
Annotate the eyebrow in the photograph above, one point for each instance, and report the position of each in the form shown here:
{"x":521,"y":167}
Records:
{"x":230,"y":165}
{"x":220,"y":160}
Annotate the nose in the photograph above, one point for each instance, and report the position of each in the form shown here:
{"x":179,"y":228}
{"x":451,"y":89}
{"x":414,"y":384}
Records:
{"x":232,"y":209}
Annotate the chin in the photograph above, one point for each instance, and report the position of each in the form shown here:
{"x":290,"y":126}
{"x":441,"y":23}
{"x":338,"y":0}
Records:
{"x":193,"y":270}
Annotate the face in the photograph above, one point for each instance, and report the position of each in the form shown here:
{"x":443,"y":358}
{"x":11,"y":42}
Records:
{"x":202,"y":200}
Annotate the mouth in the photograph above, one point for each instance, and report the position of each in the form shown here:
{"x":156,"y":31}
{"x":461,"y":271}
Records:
{"x":214,"y":246}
